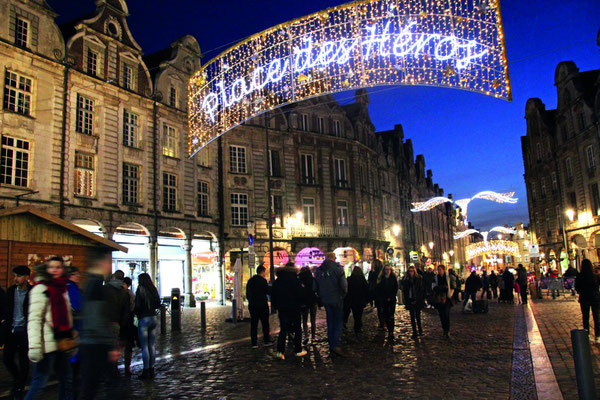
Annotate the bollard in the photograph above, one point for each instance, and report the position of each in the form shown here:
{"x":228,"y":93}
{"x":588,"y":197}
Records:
{"x":203,"y":315}
{"x":233,"y":311}
{"x":175,"y":309}
{"x":583,"y":364}
{"x":163,"y":319}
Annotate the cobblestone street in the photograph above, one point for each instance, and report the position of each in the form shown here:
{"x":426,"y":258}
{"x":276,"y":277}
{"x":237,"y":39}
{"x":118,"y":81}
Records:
{"x":220,"y":364}
{"x":555,"y":319}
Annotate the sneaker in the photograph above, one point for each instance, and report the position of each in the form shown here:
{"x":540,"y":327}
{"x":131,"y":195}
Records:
{"x":255,"y":346}
{"x":302,"y":353}
{"x":314,"y":342}
{"x":268,"y":343}
{"x":279,"y":356}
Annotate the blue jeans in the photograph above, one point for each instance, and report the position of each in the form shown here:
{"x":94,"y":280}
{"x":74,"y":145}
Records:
{"x":41,"y":372}
{"x":335,"y":318}
{"x":146,"y":328}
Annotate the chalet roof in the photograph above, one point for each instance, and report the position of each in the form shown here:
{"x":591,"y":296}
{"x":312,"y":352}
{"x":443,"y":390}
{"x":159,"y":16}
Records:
{"x":63,"y":224}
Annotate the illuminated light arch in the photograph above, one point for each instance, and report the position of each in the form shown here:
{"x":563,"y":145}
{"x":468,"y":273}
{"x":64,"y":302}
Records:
{"x":429,"y":204}
{"x":465,"y":233}
{"x":501,"y":198}
{"x":502,"y":229}
{"x":492,"y":247}
{"x":367,"y":43}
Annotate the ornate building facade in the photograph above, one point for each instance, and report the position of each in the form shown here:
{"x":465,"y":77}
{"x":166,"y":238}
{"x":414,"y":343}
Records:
{"x":561,"y":152}
{"x":95,"y":132}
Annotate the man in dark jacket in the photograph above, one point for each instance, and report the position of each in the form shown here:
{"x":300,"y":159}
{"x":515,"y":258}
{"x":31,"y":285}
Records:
{"x":288,"y":298}
{"x":99,"y":345}
{"x":472,"y":286}
{"x":257,"y":290}
{"x":494,"y":284}
{"x":428,"y":278}
{"x":522,"y":280}
{"x":14,"y":329}
{"x":331,"y":285}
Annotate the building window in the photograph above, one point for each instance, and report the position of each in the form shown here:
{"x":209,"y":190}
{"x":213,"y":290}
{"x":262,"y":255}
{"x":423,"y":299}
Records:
{"x":591,"y":161}
{"x":84,"y":174}
{"x":547,"y":218}
{"x":563,"y":132}
{"x":539,"y":151}
{"x":581,"y":121}
{"x":203,"y":157}
{"x":306,"y":168}
{"x":569,"y":169}
{"x":84,"y":119}
{"x":239,"y":209}
{"x":170,"y":141}
{"x":308,"y":209}
{"x":543,"y":189}
{"x":173,"y":96}
{"x":386,"y":205}
{"x":277,"y":210}
{"x":554,"y":183}
{"x":559,"y":220}
{"x":203,"y":198}
{"x":303,"y":122}
{"x":595,"y":199}
{"x":237,"y":159}
{"x":342,"y":213}
{"x":573,"y":202}
{"x":274,"y":163}
{"x":340,"y":172}
{"x":17,"y":93}
{"x":321,"y":124}
{"x":533,"y":192}
{"x":169,"y":192}
{"x":337,"y":128}
{"x":127,"y":77}
{"x":130,"y":129}
{"x":92,"y":62}
{"x":131,"y":184}
{"x":14,"y":161}
{"x":21,"y":32}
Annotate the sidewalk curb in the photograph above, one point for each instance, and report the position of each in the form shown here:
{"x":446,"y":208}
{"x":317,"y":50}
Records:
{"x":545,"y":380}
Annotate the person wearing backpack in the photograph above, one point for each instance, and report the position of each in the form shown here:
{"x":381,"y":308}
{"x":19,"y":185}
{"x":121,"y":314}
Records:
{"x":147,"y":301}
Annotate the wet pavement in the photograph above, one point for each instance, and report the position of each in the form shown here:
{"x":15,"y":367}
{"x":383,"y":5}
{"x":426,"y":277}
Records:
{"x":220,"y":363}
{"x":555,"y":319}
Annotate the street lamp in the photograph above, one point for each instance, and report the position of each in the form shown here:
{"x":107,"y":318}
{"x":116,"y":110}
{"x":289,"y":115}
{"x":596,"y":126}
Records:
{"x":570,"y":214}
{"x":431,"y":245}
{"x":396,"y":229}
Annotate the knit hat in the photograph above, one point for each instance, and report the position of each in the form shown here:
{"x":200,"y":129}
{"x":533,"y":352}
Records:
{"x":21,"y":270}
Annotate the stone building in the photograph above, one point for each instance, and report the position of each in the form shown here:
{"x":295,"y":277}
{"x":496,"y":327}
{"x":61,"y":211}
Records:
{"x":561,"y":151}
{"x":95,"y":132}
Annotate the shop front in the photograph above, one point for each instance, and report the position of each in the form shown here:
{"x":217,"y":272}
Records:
{"x":206,"y":276}
{"x":347,"y":257}
{"x":311,"y":257}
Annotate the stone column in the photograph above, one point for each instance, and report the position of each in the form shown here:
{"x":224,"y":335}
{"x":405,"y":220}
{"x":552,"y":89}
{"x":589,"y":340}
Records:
{"x":190,"y":301}
{"x":154,"y":260}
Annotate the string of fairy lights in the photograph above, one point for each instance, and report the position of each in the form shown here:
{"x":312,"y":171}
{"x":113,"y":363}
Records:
{"x":366,"y":43}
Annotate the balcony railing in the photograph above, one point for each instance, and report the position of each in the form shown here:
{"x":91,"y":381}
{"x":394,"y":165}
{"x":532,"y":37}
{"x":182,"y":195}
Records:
{"x":320,"y":231}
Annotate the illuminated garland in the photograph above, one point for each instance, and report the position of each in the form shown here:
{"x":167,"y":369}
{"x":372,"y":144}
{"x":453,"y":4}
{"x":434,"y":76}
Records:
{"x":458,"y":44}
{"x":466,"y":233}
{"x":429,"y":204}
{"x":508,"y":231}
{"x":492,"y":247}
{"x":464,"y":203}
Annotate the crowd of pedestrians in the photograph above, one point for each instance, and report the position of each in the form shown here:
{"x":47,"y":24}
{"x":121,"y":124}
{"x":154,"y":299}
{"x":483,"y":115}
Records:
{"x":75,"y":326}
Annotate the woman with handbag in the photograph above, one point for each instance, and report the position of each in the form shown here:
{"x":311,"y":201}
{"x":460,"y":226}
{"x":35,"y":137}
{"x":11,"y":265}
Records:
{"x":52,"y":340}
{"x":443,"y":289}
{"x":147,"y":302}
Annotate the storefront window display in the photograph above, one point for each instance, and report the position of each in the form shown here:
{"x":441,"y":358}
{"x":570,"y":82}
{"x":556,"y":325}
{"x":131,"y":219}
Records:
{"x":206,"y":279}
{"x":309,"y":257}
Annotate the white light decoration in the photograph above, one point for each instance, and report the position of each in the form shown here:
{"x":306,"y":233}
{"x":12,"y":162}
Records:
{"x":464,"y":203}
{"x":465,"y":233}
{"x":492,"y":247}
{"x":429,"y":204}
{"x":502,"y":229}
{"x":457,"y":44}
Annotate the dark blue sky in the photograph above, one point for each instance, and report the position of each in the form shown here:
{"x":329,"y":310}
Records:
{"x":470,"y":141}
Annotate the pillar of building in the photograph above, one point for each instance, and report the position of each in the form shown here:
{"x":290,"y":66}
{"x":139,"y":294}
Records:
{"x":190,"y":301}
{"x":154,"y":260}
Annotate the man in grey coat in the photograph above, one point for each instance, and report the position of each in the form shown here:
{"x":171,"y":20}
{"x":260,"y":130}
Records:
{"x":331,"y":286}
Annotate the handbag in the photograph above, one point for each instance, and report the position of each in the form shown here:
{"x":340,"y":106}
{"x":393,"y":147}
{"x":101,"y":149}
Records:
{"x":66,"y":344}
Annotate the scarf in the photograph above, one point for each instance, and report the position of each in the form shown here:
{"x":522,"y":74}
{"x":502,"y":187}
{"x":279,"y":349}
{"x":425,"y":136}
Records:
{"x":58,"y":305}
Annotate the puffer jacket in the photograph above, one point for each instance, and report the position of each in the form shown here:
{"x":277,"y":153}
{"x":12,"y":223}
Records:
{"x":40,"y":330}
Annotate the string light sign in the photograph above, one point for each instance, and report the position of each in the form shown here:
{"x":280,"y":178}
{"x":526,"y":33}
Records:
{"x":455,"y":43}
{"x":492,"y":247}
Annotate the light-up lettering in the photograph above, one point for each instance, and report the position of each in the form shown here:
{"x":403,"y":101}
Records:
{"x":359,"y":44}
{"x":375,"y":44}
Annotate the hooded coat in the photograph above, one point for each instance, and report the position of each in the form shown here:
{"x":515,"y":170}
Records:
{"x":40,"y":329}
{"x":330,"y":283}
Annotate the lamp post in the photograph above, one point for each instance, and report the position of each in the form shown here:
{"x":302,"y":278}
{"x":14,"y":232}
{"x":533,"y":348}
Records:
{"x":571,"y":215}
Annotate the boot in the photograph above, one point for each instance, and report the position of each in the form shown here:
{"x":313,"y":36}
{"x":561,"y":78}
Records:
{"x":151,"y":373}
{"x":127,"y":364}
{"x":145,"y":374}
